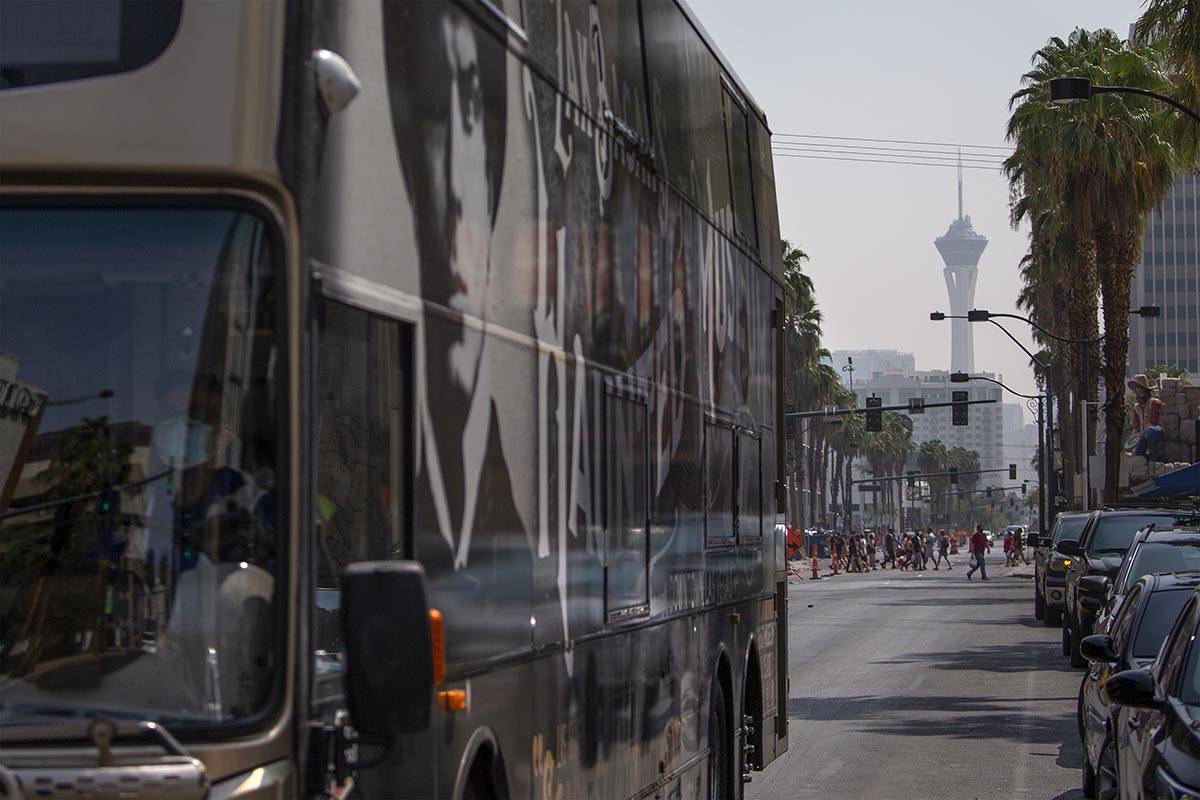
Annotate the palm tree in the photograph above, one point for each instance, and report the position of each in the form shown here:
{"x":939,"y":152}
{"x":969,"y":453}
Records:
{"x":1175,"y":25}
{"x":1098,"y":167}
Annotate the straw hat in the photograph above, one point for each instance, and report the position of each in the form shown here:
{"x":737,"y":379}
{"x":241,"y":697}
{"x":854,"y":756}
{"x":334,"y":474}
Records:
{"x":1140,"y":381}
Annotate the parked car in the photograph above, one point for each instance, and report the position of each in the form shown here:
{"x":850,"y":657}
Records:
{"x":1102,"y":545}
{"x":1050,"y":567}
{"x":1131,"y":642}
{"x":1157,"y":718}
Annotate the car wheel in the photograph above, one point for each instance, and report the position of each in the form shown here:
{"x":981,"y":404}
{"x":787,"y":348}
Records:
{"x":1066,"y":638}
{"x":1039,"y":604}
{"x":720,"y":776}
{"x":1077,"y":659}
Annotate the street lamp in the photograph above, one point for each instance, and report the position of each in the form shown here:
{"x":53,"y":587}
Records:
{"x":1072,"y":91}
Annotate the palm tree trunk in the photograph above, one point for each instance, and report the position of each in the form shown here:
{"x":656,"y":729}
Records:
{"x":1116,"y":256}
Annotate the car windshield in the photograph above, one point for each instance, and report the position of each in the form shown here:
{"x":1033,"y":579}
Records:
{"x":1114,"y":532}
{"x":1154,"y":557}
{"x":1070,"y":527}
{"x":1161,"y":611}
{"x":138,"y":450}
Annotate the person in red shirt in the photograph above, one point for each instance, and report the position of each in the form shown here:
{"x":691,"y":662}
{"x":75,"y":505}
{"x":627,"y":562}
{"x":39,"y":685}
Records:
{"x":979,"y":546}
{"x":1145,"y":417}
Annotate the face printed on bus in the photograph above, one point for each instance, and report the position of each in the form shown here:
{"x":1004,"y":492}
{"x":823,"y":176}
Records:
{"x":448,"y":100}
{"x":468,"y":212}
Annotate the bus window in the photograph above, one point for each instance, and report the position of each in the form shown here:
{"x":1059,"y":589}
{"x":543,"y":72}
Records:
{"x":749,"y":486}
{"x":628,"y":506}
{"x":69,"y":39}
{"x":740,"y":175}
{"x":685,"y":95}
{"x":361,"y":434}
{"x":718,"y":484}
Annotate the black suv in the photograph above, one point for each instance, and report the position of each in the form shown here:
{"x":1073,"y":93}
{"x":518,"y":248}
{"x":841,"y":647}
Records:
{"x":1099,"y":551}
{"x":1156,"y":726}
{"x":1050,"y":567}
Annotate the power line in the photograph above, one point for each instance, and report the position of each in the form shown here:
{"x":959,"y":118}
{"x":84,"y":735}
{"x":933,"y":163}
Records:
{"x":876,"y":150}
{"x":896,"y":154}
{"x":895,"y":141}
{"x":885,"y":161}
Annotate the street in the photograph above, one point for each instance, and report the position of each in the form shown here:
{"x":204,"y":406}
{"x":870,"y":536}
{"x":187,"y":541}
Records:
{"x":925,"y":685}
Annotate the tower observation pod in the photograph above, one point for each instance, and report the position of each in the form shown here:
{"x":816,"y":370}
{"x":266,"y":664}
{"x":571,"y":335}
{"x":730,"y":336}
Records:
{"x":961,"y":247}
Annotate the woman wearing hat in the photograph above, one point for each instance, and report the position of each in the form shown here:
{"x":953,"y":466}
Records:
{"x":1146,"y":411}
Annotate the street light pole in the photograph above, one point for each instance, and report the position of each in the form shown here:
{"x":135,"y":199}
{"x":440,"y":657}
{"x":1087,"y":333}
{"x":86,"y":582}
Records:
{"x":1070,"y":91}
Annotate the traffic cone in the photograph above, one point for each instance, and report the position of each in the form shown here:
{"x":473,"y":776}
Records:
{"x":816,"y":566}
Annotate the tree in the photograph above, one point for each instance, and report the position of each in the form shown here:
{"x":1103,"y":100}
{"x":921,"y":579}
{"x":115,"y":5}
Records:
{"x":1175,"y":26}
{"x":1096,"y":168}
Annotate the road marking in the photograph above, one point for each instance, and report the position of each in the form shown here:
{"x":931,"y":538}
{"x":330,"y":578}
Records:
{"x":833,"y":767}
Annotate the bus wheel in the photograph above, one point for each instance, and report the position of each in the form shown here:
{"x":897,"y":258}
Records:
{"x":720,"y":775}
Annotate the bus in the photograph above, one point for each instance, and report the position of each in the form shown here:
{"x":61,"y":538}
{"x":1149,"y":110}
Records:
{"x":391,"y":402}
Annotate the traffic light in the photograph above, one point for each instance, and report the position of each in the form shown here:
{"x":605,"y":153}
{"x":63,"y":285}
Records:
{"x":874,"y":418}
{"x":108,"y":502}
{"x":989,"y":491}
{"x":1024,"y":486}
{"x":960,"y":411}
{"x":912,"y":478}
{"x":954,"y":476}
{"x":1012,"y":472}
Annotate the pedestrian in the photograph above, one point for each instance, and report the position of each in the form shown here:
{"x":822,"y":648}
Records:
{"x":889,"y":549}
{"x":914,"y":551}
{"x":979,"y":547}
{"x":855,"y":561}
{"x":1019,"y":540}
{"x":1008,"y":549}
{"x":943,"y":550}
{"x":871,"y":551}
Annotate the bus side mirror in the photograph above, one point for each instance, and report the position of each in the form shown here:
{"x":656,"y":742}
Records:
{"x":389,"y":648}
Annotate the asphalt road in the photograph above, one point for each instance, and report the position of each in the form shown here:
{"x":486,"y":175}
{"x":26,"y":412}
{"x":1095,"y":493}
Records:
{"x":925,"y":685}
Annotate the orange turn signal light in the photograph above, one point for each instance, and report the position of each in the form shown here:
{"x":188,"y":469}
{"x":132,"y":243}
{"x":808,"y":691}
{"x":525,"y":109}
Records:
{"x":437,"y":638}
{"x":452,"y":700}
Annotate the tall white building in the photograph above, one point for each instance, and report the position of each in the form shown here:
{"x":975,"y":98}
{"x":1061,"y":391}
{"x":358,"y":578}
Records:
{"x":984,"y":434}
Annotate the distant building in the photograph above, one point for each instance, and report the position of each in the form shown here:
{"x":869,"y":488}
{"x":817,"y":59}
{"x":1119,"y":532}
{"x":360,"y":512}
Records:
{"x":868,"y":362}
{"x":984,"y":434}
{"x":1169,"y":277}
{"x":1020,"y":443}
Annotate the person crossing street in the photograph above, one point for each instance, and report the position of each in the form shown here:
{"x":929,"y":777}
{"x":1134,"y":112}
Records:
{"x":979,"y":547}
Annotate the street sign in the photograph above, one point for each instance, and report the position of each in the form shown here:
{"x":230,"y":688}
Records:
{"x":870,"y":487}
{"x":874,"y":418}
{"x":961,"y":411}
{"x":916,"y":405}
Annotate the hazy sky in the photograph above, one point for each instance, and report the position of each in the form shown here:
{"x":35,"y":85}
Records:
{"x":921,"y":70}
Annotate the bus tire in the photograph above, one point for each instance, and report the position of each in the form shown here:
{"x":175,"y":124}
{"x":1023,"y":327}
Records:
{"x":720,"y":746}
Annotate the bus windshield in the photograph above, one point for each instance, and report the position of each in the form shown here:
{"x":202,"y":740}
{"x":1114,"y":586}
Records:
{"x":138,"y":451}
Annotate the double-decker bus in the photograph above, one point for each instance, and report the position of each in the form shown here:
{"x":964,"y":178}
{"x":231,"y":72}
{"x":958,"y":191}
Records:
{"x":390,"y":402}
